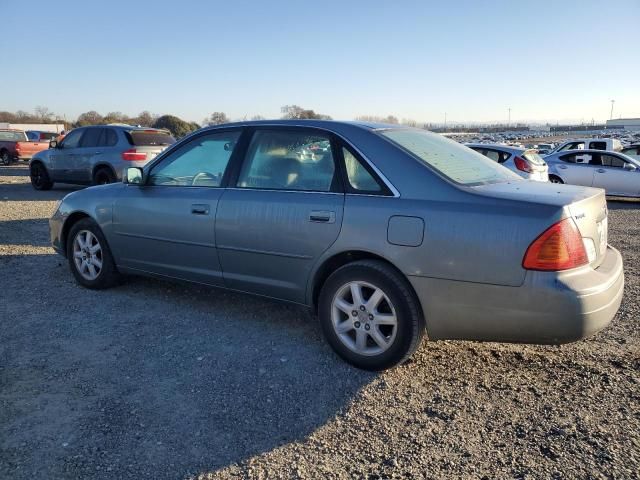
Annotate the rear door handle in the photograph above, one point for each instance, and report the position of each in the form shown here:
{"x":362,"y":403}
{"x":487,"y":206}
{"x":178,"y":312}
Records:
{"x":200,"y":209}
{"x":322,"y":216}
{"x":563,"y":167}
{"x":601,"y":170}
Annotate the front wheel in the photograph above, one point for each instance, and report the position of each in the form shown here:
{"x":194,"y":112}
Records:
{"x":370,"y":315}
{"x":89,"y":256}
{"x":555,"y":179}
{"x":39,"y":177}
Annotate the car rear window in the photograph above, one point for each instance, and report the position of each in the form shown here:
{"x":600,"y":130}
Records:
{"x":456,"y":162}
{"x":12,"y":136}
{"x":150,"y":137}
{"x":533,"y":157}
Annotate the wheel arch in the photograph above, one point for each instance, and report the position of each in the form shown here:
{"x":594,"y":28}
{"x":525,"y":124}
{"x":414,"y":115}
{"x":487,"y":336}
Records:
{"x":71,"y":220}
{"x":332,"y":263}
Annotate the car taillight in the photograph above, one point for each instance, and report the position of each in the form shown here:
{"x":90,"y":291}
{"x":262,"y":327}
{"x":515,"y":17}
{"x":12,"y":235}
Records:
{"x":560,"y":247}
{"x":132,"y":155}
{"x":522,"y":165}
{"x":18,"y":147}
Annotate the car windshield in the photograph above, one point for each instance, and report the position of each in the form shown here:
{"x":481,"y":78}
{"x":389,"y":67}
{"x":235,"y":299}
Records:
{"x":150,"y":137}
{"x":456,"y":162}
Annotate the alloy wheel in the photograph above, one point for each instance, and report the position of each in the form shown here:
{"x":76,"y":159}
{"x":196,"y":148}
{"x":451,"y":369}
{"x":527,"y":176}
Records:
{"x":363,"y":318}
{"x":87,"y":255}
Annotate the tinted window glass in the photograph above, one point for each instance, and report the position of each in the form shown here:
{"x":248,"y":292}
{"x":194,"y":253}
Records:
{"x":568,"y":158}
{"x":286,"y":160}
{"x":91,"y":138}
{"x":110,"y":137}
{"x":359,"y":178}
{"x":150,"y":137}
{"x":611,"y":161}
{"x":598,"y":145}
{"x":454,"y":161}
{"x":199,"y":163}
{"x":72,"y":140}
{"x":493,"y":155}
{"x":533,"y":157}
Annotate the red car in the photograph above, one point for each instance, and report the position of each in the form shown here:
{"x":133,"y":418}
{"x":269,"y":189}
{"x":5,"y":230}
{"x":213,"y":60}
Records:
{"x":15,"y":145}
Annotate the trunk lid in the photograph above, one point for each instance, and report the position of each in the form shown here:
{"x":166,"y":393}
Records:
{"x":585,"y":205}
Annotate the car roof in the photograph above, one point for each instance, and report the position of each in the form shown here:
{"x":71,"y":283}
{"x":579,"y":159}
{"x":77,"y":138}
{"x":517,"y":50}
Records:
{"x":588,"y":150}
{"x":497,"y":146}
{"x":333,"y":125}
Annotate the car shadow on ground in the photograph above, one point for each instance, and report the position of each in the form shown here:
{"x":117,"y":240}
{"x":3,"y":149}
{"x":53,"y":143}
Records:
{"x":33,"y":231}
{"x":155,"y":379}
{"x":619,"y":203}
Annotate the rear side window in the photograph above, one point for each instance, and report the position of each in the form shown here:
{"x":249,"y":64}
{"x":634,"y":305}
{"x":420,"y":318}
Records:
{"x":12,"y":136}
{"x":91,"y":137}
{"x":288,"y":160}
{"x":110,"y":138}
{"x":144,"y":138}
{"x":456,"y":162}
{"x":598,"y":145}
{"x":358,"y":176}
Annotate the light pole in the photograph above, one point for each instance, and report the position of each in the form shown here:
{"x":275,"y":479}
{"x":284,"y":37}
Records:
{"x":445,"y":120}
{"x":612,"y":102}
{"x":509,"y":120}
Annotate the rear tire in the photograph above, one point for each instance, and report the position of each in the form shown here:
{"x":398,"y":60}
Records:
{"x":39,"y":177}
{"x":5,"y":158}
{"x":103,"y":176}
{"x":370,"y":315}
{"x":89,"y":256}
{"x":555,"y":179}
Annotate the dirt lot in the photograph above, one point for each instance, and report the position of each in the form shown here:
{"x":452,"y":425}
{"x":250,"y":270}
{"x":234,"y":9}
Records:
{"x":158,"y":380}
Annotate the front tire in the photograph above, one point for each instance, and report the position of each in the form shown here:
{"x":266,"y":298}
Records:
{"x":555,"y":179}
{"x":89,"y":256}
{"x":370,"y":315}
{"x":39,"y":177}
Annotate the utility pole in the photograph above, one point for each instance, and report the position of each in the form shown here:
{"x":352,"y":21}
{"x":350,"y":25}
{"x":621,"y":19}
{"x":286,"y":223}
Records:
{"x":612,"y":102}
{"x":509,"y":121}
{"x":445,"y":120}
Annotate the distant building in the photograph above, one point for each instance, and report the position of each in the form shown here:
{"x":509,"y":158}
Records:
{"x":41,"y":127}
{"x":626,"y":123}
{"x":578,"y":128}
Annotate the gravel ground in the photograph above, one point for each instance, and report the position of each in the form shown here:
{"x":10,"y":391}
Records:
{"x":160,"y":380}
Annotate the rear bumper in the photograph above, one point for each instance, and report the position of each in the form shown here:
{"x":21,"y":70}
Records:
{"x":549,"y":308}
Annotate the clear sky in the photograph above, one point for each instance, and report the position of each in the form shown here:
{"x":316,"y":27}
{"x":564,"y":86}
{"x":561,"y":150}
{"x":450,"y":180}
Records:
{"x":547,"y":60}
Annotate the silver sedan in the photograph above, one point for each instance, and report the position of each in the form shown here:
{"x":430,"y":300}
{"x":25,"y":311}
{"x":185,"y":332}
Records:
{"x":389,"y":234}
{"x":615,"y":172}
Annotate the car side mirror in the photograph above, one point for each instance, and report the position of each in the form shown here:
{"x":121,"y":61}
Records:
{"x":630,"y":166}
{"x":132,"y":176}
{"x":53,"y":143}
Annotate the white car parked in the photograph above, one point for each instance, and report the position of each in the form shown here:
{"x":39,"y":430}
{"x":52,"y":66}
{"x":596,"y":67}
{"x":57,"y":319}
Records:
{"x":617,"y":173}
{"x":525,"y":162}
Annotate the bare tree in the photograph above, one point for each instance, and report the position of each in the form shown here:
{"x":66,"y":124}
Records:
{"x":216,"y":118}
{"x":145,"y":119}
{"x":296,"y":112}
{"x":257,"y":117}
{"x":43,"y":114}
{"x":89,"y":118}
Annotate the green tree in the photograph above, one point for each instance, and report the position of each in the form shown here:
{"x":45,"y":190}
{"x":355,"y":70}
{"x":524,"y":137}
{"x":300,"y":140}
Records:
{"x":89,"y":118}
{"x":177,"y":126}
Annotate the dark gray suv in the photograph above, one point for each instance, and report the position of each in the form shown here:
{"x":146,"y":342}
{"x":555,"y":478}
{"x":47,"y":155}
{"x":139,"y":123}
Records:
{"x":96,"y":155}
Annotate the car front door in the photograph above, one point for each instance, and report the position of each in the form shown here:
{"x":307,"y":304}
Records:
{"x":166,"y":226}
{"x":284,"y":210}
{"x":574,"y":172}
{"x":64,"y":156}
{"x":615,"y":178}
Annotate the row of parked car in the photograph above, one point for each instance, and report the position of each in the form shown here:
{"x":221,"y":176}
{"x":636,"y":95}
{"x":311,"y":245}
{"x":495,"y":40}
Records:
{"x":591,"y":162}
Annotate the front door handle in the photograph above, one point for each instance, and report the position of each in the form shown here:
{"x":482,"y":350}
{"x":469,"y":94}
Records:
{"x":563,"y":167}
{"x":601,"y":170}
{"x":200,"y":209}
{"x":322,"y":216}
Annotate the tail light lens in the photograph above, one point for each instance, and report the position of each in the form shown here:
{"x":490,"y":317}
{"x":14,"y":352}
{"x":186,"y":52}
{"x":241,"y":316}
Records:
{"x":560,"y":247}
{"x":18,"y":147}
{"x":522,"y":165}
{"x":132,"y":155}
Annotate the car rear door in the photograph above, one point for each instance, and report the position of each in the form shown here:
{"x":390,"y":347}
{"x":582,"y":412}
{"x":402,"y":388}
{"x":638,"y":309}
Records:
{"x":83,"y":158}
{"x":167,"y":225}
{"x":282,"y":210}
{"x":615,"y":179}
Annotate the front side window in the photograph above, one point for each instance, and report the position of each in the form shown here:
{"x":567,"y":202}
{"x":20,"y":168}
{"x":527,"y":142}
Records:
{"x":200,"y":163}
{"x":91,"y":137}
{"x":72,"y":140}
{"x":611,"y":161}
{"x":452,"y":160}
{"x":288,"y":160}
{"x":357,"y":175}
